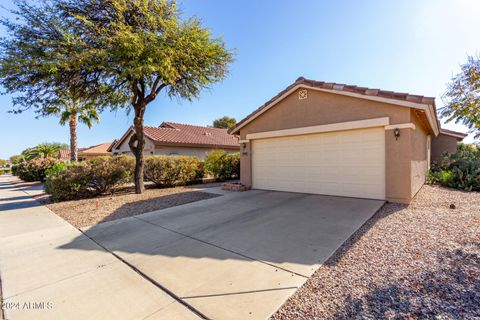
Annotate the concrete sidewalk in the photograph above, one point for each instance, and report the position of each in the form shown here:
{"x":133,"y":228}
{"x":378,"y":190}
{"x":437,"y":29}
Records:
{"x":41,"y":281}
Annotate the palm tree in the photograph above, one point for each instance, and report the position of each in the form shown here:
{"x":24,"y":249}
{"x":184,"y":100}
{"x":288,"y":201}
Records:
{"x":86,"y":114}
{"x":43,"y":150}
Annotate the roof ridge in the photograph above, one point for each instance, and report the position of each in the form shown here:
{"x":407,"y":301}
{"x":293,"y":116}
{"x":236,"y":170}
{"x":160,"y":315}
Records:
{"x":333,"y":86}
{"x":303,"y":80}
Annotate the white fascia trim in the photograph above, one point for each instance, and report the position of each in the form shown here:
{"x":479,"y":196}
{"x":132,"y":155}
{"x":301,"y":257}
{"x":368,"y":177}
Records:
{"x":428,"y":108}
{"x":401,"y":126}
{"x":340,"y":126}
{"x":243,"y":141}
{"x":453,"y":135}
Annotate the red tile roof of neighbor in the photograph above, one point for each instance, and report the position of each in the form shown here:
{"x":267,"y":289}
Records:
{"x":99,"y":149}
{"x":170,"y":133}
{"x":342,"y":87}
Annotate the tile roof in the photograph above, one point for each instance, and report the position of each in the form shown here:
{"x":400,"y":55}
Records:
{"x":64,"y":154}
{"x":99,"y":149}
{"x":346,"y":88}
{"x":186,"y":134}
{"x":170,"y":133}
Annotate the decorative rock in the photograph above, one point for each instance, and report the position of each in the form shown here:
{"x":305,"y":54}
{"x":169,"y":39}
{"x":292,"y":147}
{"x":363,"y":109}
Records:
{"x":234,"y":186}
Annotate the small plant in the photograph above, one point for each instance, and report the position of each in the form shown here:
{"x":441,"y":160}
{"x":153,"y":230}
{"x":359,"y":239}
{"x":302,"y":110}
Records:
{"x":223,"y":165}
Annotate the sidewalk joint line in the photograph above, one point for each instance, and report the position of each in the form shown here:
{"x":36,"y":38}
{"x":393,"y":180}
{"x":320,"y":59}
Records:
{"x":151,"y":280}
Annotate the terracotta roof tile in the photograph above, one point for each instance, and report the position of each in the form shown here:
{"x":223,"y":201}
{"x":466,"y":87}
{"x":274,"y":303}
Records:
{"x":344,"y":87}
{"x":177,"y":133}
{"x":170,"y":133}
{"x":97,"y":149}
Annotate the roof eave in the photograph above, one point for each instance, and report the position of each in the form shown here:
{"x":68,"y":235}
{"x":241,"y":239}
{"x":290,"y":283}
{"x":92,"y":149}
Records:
{"x":429,"y":108}
{"x":159,"y":143}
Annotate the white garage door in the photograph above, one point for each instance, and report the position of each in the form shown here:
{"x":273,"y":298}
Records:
{"x":345,"y":163}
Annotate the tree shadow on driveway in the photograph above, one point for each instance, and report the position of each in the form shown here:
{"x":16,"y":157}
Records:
{"x":293,"y":231}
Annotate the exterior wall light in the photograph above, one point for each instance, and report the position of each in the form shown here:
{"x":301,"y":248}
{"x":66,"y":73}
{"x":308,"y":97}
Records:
{"x":244,"y":145}
{"x":396,"y":133}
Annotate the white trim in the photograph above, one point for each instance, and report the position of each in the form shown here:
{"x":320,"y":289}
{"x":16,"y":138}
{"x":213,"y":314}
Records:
{"x":243,"y":141}
{"x":340,"y":126}
{"x":427,"y":108}
{"x":460,"y":136}
{"x":401,"y":126}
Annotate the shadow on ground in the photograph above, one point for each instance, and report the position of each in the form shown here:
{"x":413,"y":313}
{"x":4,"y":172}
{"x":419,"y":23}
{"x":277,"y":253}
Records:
{"x":275,"y":227}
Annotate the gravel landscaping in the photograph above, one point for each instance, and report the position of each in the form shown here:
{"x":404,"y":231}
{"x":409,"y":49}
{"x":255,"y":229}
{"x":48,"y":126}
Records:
{"x":87,"y":212}
{"x":408,"y":262}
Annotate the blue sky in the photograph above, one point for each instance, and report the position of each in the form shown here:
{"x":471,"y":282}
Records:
{"x":407,"y":46}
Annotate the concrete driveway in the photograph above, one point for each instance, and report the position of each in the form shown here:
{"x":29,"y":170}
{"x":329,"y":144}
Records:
{"x":239,"y":256}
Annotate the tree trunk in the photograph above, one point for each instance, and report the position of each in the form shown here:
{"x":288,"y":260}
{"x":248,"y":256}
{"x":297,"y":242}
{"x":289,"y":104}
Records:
{"x":137,"y":144}
{"x":73,"y":137}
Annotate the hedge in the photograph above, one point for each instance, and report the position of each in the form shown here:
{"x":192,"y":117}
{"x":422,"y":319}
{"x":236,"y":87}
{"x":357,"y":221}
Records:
{"x":35,"y":170}
{"x":168,"y":171}
{"x":460,"y":170}
{"x":223,"y":165}
{"x":86,"y":179}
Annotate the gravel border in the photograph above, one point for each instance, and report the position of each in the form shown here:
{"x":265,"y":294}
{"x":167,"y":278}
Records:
{"x":420,"y":261}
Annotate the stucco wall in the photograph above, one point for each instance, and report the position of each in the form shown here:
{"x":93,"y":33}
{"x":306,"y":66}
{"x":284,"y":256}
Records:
{"x":418,"y":156}
{"x":125,"y":149}
{"x":443,"y":143}
{"x":322,"y":108}
{"x":325,"y":108}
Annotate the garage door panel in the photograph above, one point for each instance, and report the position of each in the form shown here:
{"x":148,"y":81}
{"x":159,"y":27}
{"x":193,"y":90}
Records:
{"x":348,"y":163}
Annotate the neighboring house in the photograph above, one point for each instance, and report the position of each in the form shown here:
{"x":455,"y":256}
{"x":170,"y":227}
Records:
{"x":98,"y":150}
{"x":342,"y":140}
{"x":446,"y":141}
{"x":180,"y":139}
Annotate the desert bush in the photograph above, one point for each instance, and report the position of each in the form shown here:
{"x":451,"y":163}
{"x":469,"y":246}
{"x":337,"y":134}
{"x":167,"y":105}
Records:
{"x":168,"y":171}
{"x":72,"y":181}
{"x":460,"y":170}
{"x":15,"y":169}
{"x":223,"y":165}
{"x":35,"y":170}
{"x":109,"y":173}
{"x":78,"y":180}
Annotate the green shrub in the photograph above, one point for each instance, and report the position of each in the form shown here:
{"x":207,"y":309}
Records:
{"x":168,"y":171}
{"x":4,"y":171}
{"x":460,"y":170}
{"x":70,"y":182}
{"x":35,"y":170}
{"x":15,"y":169}
{"x":86,"y":179}
{"x":109,"y":173}
{"x":55,"y":169}
{"x":223,"y":165}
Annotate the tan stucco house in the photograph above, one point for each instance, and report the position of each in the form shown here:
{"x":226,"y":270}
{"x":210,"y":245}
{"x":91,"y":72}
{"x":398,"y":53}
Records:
{"x":342,"y":140}
{"x":179,"y":139}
